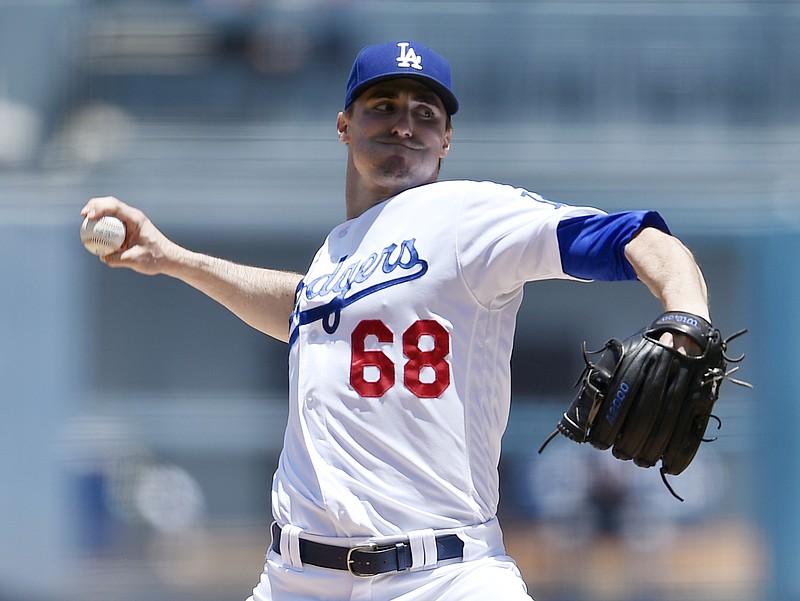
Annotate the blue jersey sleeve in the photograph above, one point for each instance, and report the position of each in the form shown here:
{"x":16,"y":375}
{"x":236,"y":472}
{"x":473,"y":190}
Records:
{"x":592,"y":247}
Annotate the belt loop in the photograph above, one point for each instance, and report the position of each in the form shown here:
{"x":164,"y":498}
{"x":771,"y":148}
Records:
{"x":423,"y":548}
{"x":290,"y":546}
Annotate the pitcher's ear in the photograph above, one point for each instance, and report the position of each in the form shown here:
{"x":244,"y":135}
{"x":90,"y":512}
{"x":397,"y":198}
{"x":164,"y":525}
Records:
{"x":341,"y":127}
{"x":448,"y":137}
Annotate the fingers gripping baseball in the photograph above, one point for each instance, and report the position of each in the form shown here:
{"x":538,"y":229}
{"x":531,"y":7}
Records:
{"x":145,"y":249}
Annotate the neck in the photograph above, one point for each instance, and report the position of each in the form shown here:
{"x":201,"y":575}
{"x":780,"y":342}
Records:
{"x":361,"y":195}
{"x":358,"y":200}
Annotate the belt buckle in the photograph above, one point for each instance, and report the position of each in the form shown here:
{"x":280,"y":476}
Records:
{"x":349,"y":559}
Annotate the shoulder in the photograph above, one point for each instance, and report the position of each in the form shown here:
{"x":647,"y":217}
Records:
{"x":496,"y":193}
{"x":453,"y":195}
{"x":486,"y":201}
{"x":470,"y":188}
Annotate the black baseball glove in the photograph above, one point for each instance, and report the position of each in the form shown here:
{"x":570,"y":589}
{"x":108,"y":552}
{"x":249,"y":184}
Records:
{"x":646,"y":400}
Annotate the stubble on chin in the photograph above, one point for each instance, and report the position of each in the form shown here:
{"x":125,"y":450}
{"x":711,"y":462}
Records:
{"x":397,"y":172}
{"x":394,"y":167}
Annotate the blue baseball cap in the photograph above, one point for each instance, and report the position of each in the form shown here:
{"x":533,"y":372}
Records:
{"x":401,"y":59}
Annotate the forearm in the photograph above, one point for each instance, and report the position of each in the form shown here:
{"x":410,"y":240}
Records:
{"x":669,"y":271}
{"x":262,"y":298}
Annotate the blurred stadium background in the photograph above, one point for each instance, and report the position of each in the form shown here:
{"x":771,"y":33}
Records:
{"x":141,"y":422}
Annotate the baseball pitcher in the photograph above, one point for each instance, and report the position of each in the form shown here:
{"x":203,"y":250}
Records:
{"x":400,"y":337}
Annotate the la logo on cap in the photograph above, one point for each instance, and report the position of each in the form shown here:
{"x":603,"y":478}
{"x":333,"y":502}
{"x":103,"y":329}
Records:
{"x":408,"y":57}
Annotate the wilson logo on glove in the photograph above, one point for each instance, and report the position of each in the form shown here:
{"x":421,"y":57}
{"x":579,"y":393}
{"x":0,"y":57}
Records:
{"x":616,"y":404}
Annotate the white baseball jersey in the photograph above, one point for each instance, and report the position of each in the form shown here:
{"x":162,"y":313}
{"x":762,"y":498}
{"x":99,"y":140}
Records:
{"x":399,"y":359}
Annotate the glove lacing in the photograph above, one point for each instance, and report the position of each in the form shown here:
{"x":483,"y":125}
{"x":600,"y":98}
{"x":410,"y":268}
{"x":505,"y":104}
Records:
{"x":715,"y":377}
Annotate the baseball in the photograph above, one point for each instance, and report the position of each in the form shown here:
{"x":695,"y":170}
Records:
{"x":103,"y":236}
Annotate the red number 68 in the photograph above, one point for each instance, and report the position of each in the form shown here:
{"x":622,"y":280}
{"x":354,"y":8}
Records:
{"x":418,"y":357}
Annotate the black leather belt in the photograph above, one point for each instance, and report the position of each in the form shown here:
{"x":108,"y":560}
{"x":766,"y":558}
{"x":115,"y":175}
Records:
{"x":368,"y":560}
